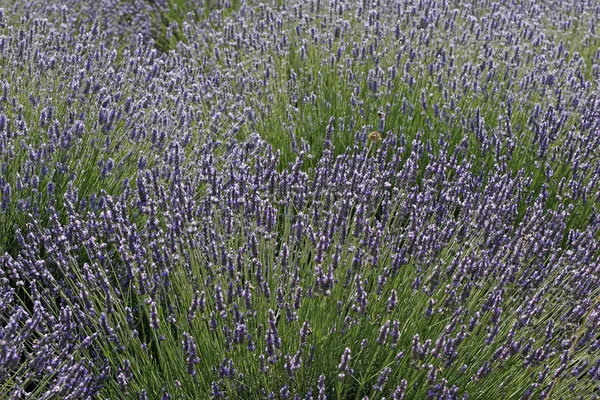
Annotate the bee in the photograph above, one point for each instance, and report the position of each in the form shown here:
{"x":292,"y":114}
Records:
{"x":375,"y":136}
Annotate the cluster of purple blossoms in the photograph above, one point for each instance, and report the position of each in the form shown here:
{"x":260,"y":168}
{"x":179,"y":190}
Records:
{"x":170,"y":228}
{"x":122,"y":21}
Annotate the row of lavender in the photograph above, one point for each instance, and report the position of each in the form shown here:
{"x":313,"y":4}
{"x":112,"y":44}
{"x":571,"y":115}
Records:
{"x":149,"y":253}
{"x":359,"y":282}
{"x":123,"y":20}
{"x":511,"y":75}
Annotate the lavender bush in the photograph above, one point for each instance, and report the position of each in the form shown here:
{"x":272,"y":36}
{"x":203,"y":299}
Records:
{"x":300,"y":201}
{"x":433,"y":67}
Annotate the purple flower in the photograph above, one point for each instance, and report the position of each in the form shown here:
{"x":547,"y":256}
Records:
{"x":321,"y":388}
{"x":343,"y":366}
{"x":216,"y":390}
{"x":400,"y":391}
{"x":304,"y":332}
{"x":382,"y":379}
{"x":154,"y":321}
{"x":383,"y":333}
{"x":189,"y":347}
{"x":392,"y":301}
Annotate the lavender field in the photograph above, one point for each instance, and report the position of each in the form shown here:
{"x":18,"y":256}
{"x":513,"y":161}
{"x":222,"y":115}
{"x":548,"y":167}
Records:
{"x":299,"y":199}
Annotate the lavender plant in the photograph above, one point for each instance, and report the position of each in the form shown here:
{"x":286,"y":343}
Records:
{"x":305,"y":200}
{"x":448,"y":67}
{"x":122,"y":20}
{"x":244,"y":289}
